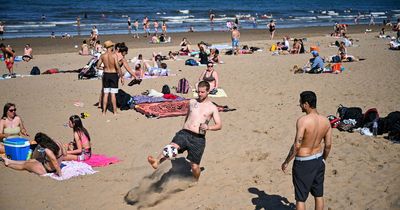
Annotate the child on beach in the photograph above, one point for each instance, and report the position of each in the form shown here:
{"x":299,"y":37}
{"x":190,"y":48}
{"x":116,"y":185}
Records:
{"x":84,"y":48}
{"x":80,"y":148}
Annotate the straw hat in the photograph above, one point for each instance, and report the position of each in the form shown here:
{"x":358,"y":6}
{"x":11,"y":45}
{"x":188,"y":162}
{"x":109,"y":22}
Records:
{"x":108,"y":44}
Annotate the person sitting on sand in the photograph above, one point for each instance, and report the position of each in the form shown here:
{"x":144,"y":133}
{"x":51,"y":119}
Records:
{"x":192,"y":136}
{"x":80,"y":148}
{"x":296,"y":47}
{"x":46,"y":158}
{"x":210,"y":76}
{"x":98,"y":49}
{"x":342,"y":48}
{"x":27,"y":53}
{"x":203,"y":56}
{"x":185,"y":46}
{"x":214,"y":56}
{"x":315,"y":65}
{"x":302,"y":49}
{"x":84,"y":49}
{"x":155,"y":39}
{"x":284,"y":46}
{"x":173,"y":55}
{"x":10,"y":124}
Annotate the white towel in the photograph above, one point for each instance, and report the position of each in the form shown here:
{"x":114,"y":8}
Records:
{"x":71,"y":169}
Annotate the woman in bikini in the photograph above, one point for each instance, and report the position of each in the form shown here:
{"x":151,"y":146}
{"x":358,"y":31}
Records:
{"x":210,"y":76}
{"x":185,"y":46}
{"x":9,"y":56}
{"x":46,"y":158}
{"x":80,"y":148}
{"x":10,"y":124}
{"x":272,"y":28}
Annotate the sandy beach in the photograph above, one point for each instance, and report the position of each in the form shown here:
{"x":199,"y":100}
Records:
{"x":242,"y":161}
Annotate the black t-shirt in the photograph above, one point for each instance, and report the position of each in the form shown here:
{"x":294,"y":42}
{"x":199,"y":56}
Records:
{"x":203,"y":57}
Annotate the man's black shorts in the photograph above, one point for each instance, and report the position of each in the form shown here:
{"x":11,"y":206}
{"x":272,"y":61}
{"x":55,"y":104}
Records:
{"x":308,"y":176}
{"x":192,"y":142}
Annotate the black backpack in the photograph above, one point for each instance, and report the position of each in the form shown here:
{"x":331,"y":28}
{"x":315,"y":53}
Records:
{"x":347,"y":113}
{"x":35,"y":71}
{"x":87,"y":73}
{"x":123,"y":99}
{"x":165,"y":89}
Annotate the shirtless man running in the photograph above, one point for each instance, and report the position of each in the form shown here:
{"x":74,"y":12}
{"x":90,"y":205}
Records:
{"x":309,"y":165}
{"x":192,"y":136}
{"x":235,"y":40}
{"x":112,"y":73}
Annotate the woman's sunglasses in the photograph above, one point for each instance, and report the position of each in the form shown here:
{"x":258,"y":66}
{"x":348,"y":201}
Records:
{"x":12,"y":110}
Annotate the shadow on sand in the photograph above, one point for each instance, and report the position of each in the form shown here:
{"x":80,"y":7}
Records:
{"x":171,"y":177}
{"x":265,"y":201}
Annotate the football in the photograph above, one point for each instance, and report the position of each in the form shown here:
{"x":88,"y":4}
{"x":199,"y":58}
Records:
{"x":170,"y":152}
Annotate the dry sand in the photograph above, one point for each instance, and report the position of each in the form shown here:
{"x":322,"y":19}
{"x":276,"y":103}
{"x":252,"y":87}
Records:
{"x":242,"y":161}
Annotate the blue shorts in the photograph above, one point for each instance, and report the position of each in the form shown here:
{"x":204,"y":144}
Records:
{"x":235,"y":42}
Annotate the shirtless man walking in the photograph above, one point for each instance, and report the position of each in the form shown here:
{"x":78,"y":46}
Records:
{"x":309,"y":164}
{"x":111,"y":75}
{"x":192,"y":136}
{"x":235,"y":40}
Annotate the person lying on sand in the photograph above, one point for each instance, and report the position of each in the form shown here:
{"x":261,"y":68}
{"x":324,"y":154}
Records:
{"x":192,"y":137}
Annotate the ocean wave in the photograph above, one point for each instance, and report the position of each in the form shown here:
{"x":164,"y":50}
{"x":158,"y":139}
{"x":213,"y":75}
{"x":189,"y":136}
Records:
{"x":324,"y":16}
{"x":377,"y":13}
{"x":306,"y":18}
{"x":31,"y":26}
{"x":177,"y":17}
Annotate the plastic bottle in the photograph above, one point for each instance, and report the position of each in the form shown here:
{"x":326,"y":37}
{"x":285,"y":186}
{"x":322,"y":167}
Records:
{"x":375,"y":128}
{"x":29,"y":154}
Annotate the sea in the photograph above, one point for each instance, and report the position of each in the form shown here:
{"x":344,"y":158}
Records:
{"x":39,"y":18}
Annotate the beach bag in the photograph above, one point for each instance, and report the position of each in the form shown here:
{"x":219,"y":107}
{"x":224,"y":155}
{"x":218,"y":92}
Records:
{"x":123,"y":99}
{"x":191,"y":62}
{"x":336,"y":59}
{"x":35,"y":71}
{"x":350,"y":118}
{"x":229,"y":52}
{"x":183,"y":86}
{"x":165,"y":89}
{"x":370,"y":116}
{"x":393,"y":126}
{"x":273,"y":48}
{"x":336,"y":67}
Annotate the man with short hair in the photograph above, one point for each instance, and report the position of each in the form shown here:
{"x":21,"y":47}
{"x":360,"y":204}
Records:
{"x":111,"y":75}
{"x":235,"y":40}
{"x":192,"y":136}
{"x":310,"y":156}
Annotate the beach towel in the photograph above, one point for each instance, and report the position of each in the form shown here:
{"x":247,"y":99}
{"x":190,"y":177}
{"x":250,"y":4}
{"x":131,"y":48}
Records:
{"x":163,"y":109}
{"x":71,"y":169}
{"x":221,"y":46}
{"x":98,"y":160}
{"x":220,"y":93}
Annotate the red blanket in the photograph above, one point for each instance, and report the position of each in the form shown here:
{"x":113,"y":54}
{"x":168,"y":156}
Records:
{"x":164,"y":109}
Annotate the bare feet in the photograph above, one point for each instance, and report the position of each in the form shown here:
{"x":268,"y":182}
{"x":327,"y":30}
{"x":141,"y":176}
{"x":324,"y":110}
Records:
{"x":5,"y":159}
{"x":153,"y":162}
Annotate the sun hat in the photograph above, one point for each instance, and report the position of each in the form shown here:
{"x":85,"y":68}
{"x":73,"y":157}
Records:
{"x":108,"y":44}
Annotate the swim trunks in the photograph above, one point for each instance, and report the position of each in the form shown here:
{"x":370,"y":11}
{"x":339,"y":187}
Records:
{"x":192,"y":142}
{"x":110,"y":82}
{"x":9,"y":64}
{"x":308,"y":176}
{"x":235,"y":42}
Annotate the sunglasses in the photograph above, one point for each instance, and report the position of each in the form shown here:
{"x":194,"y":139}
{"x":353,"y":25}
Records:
{"x":12,"y":110}
{"x":210,"y":66}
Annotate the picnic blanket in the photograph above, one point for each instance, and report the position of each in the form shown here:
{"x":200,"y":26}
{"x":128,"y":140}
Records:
{"x":71,"y":169}
{"x":163,"y":109}
{"x":98,"y":160}
{"x":220,"y":93}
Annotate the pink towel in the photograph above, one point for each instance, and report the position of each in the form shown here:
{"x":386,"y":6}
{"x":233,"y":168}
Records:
{"x":97,"y":160}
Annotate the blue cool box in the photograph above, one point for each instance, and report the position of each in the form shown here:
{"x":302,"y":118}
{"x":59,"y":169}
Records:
{"x":17,"y":148}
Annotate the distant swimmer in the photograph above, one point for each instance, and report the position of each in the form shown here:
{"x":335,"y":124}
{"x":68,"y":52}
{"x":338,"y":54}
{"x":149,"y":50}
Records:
{"x":212,"y":16}
{"x":310,"y":150}
{"x":192,"y":137}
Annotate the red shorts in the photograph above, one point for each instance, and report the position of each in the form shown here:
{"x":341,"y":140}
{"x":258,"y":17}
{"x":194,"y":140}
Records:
{"x":9,"y":64}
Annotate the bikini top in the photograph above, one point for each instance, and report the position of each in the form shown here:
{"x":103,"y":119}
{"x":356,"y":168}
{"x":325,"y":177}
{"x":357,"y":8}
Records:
{"x":84,"y":140}
{"x":210,"y":78}
{"x":12,"y":131}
